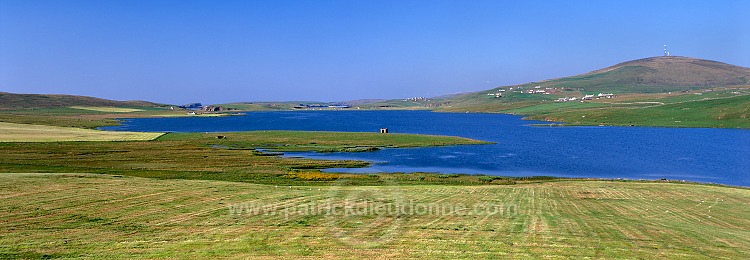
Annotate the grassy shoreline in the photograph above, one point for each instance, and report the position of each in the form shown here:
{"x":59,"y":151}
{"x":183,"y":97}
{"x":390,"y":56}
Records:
{"x":234,"y":157}
{"x":717,"y":108}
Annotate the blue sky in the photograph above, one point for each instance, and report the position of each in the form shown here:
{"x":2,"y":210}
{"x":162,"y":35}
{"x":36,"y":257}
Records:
{"x":225,"y":51}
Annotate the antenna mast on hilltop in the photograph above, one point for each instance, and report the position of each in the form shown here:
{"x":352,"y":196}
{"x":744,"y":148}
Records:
{"x":666,"y":53}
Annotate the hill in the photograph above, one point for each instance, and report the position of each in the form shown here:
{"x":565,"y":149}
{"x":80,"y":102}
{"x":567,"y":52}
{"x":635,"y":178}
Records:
{"x":74,"y":111}
{"x":659,"y":74}
{"x":649,"y":75}
{"x":638,"y":87}
{"x":730,"y":111}
{"x":22,"y":101}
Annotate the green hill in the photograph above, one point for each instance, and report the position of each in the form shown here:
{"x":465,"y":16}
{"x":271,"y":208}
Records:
{"x":728,"y":112}
{"x":658,"y":74}
{"x":22,"y":101}
{"x":649,"y":75}
{"x":640,"y":88}
{"x":74,"y":111}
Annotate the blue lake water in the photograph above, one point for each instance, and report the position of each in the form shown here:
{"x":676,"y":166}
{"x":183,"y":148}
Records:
{"x":693,"y":154}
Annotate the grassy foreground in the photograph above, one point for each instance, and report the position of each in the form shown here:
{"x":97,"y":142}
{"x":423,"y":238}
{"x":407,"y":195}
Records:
{"x":104,"y":216}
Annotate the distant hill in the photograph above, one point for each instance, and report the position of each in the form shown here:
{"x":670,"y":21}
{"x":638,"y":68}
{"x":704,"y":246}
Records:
{"x":19,"y":101}
{"x":653,"y":75}
{"x":659,"y":74}
{"x":649,"y":75}
{"x":658,"y":91}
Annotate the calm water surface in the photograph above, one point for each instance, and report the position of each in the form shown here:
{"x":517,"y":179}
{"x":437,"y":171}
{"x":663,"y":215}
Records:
{"x":694,"y":154}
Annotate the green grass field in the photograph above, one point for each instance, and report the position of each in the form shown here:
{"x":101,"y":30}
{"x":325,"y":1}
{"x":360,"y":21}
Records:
{"x":729,"y":112}
{"x":647,"y":93}
{"x":719,"y":107}
{"x":39,"y":133}
{"x":316,"y":141}
{"x":103,"y":216}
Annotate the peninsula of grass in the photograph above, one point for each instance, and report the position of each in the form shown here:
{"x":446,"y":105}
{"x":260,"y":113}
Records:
{"x":234,"y":157}
{"x":288,"y":141}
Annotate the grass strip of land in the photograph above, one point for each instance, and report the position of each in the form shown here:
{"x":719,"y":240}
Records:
{"x":73,"y":215}
{"x":109,"y":109}
{"x":12,"y":132}
{"x":232,"y":158}
{"x":316,"y":141}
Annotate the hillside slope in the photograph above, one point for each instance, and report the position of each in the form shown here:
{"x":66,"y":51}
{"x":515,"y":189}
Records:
{"x":729,"y":112}
{"x":659,"y":74}
{"x":20,"y":101}
{"x":657,"y":91}
{"x":649,"y":75}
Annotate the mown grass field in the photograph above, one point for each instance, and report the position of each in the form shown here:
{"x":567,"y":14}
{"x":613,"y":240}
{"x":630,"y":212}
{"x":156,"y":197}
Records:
{"x":104,"y":216}
{"x":12,"y":132}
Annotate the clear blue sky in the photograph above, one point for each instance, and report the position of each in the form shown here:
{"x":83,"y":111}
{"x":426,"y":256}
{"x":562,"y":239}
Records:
{"x":224,"y":51}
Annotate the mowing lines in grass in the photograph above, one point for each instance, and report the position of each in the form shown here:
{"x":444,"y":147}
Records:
{"x":96,"y":216}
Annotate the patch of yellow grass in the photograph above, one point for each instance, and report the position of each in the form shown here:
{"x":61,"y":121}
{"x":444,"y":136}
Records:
{"x":322,"y":176}
{"x":189,"y":115}
{"x":12,"y":132}
{"x":313,"y":176}
{"x":109,"y":109}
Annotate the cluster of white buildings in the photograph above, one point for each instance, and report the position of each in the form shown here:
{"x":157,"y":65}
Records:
{"x":415,"y":99}
{"x":535,"y":90}
{"x":586,"y":97}
{"x":547,"y":91}
{"x":499,"y":92}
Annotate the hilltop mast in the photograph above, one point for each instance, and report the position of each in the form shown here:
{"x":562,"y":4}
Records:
{"x":665,"y":50}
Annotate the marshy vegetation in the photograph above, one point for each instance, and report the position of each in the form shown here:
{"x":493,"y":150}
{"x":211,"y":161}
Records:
{"x":234,"y":157}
